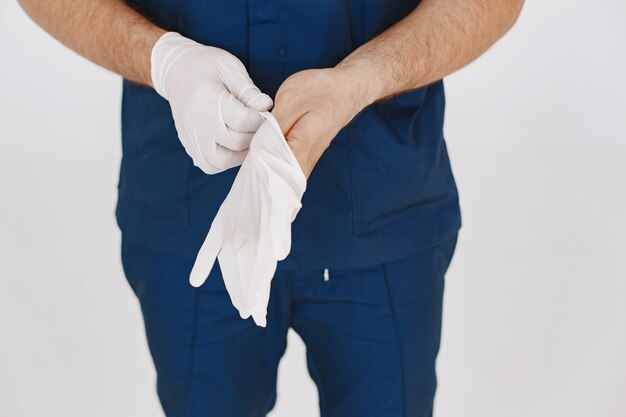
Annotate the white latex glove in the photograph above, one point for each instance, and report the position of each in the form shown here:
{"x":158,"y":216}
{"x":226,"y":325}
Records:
{"x":252,"y":229}
{"x":214,"y":102}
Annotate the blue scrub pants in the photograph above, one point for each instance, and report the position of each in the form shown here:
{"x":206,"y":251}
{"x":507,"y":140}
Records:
{"x":372,"y":336}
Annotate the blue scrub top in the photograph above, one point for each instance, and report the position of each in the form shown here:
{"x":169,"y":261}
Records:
{"x":381,"y":191}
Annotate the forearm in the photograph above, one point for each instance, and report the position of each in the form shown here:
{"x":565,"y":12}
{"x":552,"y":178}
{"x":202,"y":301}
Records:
{"x":107,"y":32}
{"x":437,"y":38}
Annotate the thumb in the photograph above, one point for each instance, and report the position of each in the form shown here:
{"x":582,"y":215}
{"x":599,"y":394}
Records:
{"x":241,"y":86}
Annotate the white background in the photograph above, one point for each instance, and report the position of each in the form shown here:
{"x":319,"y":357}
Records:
{"x":535,"y":309}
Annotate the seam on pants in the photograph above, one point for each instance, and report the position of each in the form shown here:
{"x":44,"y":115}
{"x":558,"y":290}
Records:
{"x":311,"y":365}
{"x":192,"y":350}
{"x":400,"y":351}
{"x":321,"y":392}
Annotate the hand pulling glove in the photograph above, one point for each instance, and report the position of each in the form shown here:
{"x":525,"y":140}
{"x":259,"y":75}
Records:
{"x":215,"y":104}
{"x":252,"y":229}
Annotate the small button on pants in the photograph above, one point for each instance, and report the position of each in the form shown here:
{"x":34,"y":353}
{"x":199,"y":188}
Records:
{"x":372,"y":336}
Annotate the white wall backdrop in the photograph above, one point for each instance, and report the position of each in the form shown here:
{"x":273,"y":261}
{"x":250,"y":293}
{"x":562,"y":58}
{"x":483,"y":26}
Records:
{"x":535,"y":313}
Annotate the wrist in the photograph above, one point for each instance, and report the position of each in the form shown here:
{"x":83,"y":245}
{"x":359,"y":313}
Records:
{"x":167,"y":48}
{"x":365,"y":85}
{"x":307,"y":154}
{"x":151,"y":37}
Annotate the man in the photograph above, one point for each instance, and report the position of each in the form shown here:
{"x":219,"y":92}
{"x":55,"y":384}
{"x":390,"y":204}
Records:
{"x":358,"y":96}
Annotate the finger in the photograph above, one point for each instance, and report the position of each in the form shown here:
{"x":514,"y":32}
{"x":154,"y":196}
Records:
{"x":242,"y":260}
{"x":189,"y":138}
{"x":291,"y":105}
{"x":255,"y":99}
{"x":257,"y":293}
{"x":233,"y":140}
{"x":208,"y":155}
{"x":242,"y":87}
{"x":281,"y":228}
{"x":207,"y":255}
{"x":237,"y":115}
{"x":222,"y":160}
{"x":260,"y":317}
{"x":225,"y":158}
{"x":201,"y":162}
{"x":281,"y":240}
{"x":231,"y":275}
{"x":287,"y":118}
{"x":220,"y":156}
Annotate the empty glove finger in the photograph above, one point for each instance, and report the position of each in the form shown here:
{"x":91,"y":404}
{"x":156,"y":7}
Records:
{"x":232,"y":276}
{"x":259,"y":285}
{"x":278,"y":234}
{"x":207,"y":254}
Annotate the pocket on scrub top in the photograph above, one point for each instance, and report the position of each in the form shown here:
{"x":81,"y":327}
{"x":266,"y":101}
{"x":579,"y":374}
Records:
{"x":393,"y":156}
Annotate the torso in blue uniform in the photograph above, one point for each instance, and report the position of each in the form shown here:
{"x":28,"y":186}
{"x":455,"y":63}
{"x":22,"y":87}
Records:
{"x":383,"y":189}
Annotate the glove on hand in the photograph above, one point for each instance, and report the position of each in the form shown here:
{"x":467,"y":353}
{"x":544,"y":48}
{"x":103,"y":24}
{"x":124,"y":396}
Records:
{"x":214,"y":102}
{"x":252,"y":229}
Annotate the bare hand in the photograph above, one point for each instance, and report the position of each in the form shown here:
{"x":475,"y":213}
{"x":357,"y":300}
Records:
{"x":312,"y":106}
